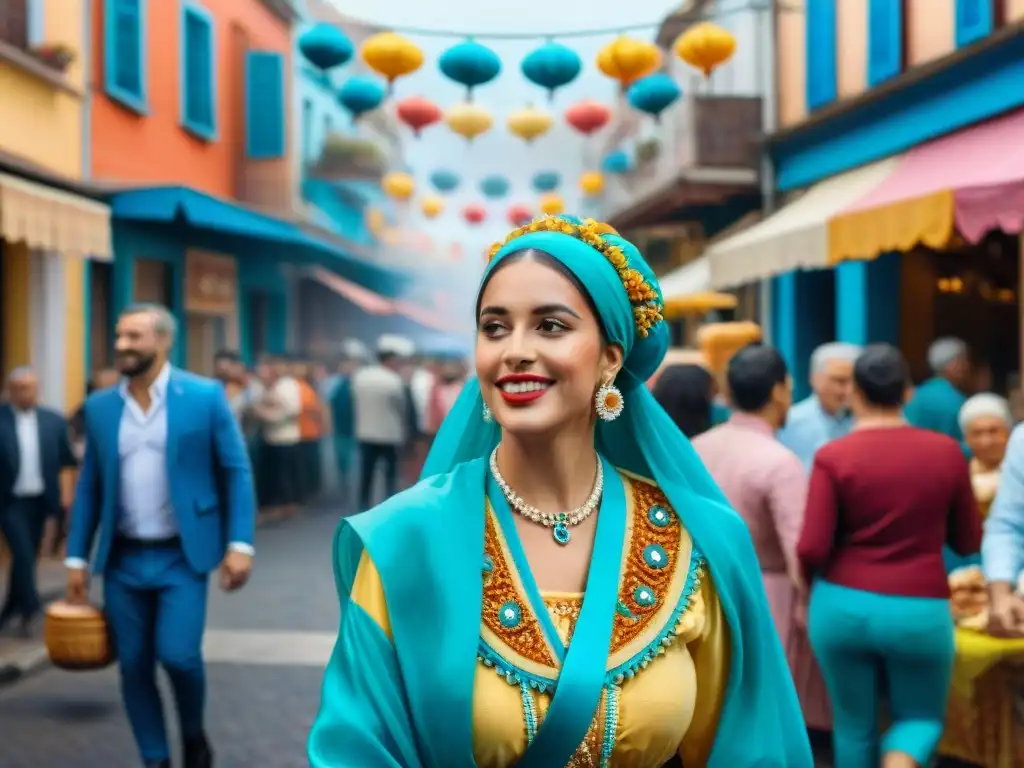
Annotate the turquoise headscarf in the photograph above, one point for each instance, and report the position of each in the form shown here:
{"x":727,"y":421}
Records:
{"x":761,"y":723}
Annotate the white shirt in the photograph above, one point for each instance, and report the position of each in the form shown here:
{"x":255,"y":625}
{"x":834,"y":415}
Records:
{"x":286,"y":399}
{"x":421,"y":383}
{"x":29,"y":481}
{"x":380,"y":406}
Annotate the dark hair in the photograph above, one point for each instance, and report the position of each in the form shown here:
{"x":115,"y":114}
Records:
{"x":881,"y":375}
{"x":545,"y":258}
{"x":227,"y":356}
{"x":752,"y":374}
{"x":386,"y":356}
{"x":684,"y":391}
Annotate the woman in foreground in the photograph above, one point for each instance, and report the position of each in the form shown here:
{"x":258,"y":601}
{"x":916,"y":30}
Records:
{"x":882,"y":503}
{"x":509,"y":609}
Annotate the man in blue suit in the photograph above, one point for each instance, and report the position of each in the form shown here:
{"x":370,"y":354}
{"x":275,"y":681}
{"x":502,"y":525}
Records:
{"x":166,"y":495}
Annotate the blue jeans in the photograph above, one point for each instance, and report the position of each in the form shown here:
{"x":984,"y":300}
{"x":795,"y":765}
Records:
{"x":864,"y":640}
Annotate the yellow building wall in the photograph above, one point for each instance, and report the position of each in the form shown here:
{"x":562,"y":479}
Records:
{"x":929,"y":36}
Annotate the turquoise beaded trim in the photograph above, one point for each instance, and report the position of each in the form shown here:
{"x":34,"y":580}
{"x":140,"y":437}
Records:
{"x":611,"y":724}
{"x":529,"y":712}
{"x":667,"y":635}
{"x":512,"y":674}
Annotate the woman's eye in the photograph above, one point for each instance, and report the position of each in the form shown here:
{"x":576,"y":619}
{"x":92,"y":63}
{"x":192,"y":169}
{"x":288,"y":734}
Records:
{"x":491,"y":328}
{"x":551,"y":325}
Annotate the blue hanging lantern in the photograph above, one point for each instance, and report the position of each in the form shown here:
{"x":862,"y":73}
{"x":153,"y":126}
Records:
{"x":360,"y":95}
{"x":494,"y":186}
{"x":617,"y":162}
{"x":551,"y":66}
{"x":444,"y":181}
{"x":325,"y":46}
{"x":470,"y":64}
{"x":546,"y":181}
{"x":653,"y":94}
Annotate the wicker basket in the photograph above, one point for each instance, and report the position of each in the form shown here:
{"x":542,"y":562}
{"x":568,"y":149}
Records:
{"x":77,"y":637}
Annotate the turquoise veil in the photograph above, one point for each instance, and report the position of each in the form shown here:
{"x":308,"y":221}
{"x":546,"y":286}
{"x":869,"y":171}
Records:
{"x":761,"y":706}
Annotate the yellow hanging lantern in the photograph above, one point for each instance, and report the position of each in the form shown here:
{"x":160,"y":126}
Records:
{"x":392,"y":237}
{"x":469,"y":120}
{"x":432,"y":206}
{"x":705,"y":46}
{"x":529,"y":123}
{"x":627,"y":59}
{"x":552,"y":204}
{"x":398,"y":186}
{"x":375,"y":221}
{"x":592,"y":183}
{"x":391,"y":55}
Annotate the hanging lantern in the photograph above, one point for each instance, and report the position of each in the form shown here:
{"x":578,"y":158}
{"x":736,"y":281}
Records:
{"x":418,"y":113}
{"x":325,"y":46}
{"x":519,"y":214}
{"x":494,"y":186}
{"x":551,"y":66}
{"x":398,"y":186}
{"x":391,"y":55}
{"x":529,"y":123}
{"x":546,"y":181}
{"x":470,"y":64}
{"x":653,"y":94}
{"x":444,"y":181}
{"x":469,"y":120}
{"x":360,"y":95}
{"x":705,"y":46}
{"x":588,"y":116}
{"x":616,"y":162}
{"x":474,"y":214}
{"x":552,"y":204}
{"x":627,"y":59}
{"x":432,"y":206}
{"x":375,"y":221}
{"x":592,"y":183}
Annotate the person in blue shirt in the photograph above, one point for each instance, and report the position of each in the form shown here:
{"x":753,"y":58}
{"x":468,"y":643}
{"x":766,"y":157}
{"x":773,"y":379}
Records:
{"x":825,"y":415}
{"x":937,"y":402}
{"x":1002,"y":546}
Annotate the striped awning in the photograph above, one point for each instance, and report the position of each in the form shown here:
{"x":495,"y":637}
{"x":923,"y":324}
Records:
{"x":687,"y":290}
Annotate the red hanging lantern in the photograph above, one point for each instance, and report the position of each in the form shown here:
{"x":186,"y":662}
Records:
{"x":418,"y":113}
{"x":519,"y":214}
{"x":474,"y":214}
{"x":588,"y":116}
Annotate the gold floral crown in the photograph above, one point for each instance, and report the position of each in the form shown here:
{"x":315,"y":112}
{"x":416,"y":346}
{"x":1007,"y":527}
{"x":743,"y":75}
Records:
{"x":646,"y":306}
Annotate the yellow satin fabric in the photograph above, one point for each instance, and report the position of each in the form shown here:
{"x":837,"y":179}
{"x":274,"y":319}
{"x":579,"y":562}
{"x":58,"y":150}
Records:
{"x":674,"y":709}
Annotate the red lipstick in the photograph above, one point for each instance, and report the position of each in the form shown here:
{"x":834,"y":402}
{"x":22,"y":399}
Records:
{"x":519,"y":389}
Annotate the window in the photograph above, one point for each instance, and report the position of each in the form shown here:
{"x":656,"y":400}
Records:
{"x":974,"y":20}
{"x":14,"y":22}
{"x":198,"y":72}
{"x":307,"y":130}
{"x":124,"y":65}
{"x":820,"y":29}
{"x":264,"y":105}
{"x":885,"y":40}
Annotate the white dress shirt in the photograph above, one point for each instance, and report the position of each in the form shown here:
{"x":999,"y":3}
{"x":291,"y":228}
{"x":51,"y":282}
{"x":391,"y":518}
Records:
{"x":29,"y":481}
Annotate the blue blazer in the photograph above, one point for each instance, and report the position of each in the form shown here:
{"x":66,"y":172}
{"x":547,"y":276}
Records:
{"x":207,"y":466}
{"x":54,"y":453}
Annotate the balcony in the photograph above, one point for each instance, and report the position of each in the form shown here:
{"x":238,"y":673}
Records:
{"x":706,"y":148}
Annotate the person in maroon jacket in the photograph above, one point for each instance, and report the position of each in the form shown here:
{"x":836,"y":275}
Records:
{"x":882,"y":503}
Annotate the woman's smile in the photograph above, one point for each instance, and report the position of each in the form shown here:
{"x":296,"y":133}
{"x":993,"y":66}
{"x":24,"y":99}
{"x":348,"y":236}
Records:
{"x":523,"y":388}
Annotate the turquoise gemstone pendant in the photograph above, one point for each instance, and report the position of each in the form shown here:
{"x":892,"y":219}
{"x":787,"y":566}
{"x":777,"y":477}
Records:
{"x":561,"y":531}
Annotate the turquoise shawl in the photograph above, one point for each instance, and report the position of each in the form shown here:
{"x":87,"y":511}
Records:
{"x":407,"y":701}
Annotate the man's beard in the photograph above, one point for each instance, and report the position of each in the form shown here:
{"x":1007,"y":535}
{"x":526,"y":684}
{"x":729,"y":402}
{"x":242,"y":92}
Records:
{"x":139,"y":364}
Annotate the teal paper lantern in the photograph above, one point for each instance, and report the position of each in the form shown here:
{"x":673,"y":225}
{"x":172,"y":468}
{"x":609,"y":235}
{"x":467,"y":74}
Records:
{"x":653,"y":94}
{"x":325,"y":46}
{"x":494,"y":186}
{"x":546,"y":181}
{"x":470,"y":64}
{"x":445,"y":181}
{"x":360,"y":95}
{"x":617,"y":162}
{"x":551,"y":66}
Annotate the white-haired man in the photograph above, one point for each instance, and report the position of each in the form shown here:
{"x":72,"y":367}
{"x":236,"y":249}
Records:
{"x":825,"y":415}
{"x":936,"y":404}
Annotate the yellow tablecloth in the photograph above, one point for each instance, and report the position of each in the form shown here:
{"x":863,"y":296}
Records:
{"x":984,"y":724}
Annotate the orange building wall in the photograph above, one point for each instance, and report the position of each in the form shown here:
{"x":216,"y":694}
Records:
{"x":929,"y":35}
{"x":154,"y":148}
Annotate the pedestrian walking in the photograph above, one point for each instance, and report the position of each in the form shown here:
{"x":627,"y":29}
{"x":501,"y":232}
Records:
{"x":166,"y":494}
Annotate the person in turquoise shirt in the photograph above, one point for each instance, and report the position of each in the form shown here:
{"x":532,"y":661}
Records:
{"x":825,"y":415}
{"x":937,"y":402}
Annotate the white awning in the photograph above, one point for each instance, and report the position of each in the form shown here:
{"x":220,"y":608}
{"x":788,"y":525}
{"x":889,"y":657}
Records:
{"x":795,"y":237}
{"x":694,"y":277}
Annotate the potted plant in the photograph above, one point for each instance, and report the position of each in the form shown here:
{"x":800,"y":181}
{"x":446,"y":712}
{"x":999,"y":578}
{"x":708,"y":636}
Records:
{"x":346,"y":156}
{"x":55,"y":55}
{"x":647,"y":151}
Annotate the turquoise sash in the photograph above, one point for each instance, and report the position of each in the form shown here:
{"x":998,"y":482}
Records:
{"x":581,"y":678}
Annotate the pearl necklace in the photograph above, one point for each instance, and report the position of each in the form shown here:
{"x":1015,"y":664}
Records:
{"x":558,"y":522}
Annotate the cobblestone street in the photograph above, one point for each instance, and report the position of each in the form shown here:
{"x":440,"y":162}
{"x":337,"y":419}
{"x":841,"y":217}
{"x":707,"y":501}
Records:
{"x":266,"y":648}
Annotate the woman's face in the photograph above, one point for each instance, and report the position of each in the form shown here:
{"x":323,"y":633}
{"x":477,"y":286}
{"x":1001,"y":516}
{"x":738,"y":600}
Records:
{"x":986,"y":436}
{"x":540,"y":357}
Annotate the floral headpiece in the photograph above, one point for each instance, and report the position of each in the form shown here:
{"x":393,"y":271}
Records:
{"x":647,"y":306}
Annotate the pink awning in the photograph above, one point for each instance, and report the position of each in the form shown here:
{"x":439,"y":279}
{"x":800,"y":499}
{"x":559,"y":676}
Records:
{"x":363,"y":298}
{"x":425,"y":317}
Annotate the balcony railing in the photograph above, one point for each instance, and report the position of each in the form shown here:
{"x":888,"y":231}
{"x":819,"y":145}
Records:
{"x":711,"y":137}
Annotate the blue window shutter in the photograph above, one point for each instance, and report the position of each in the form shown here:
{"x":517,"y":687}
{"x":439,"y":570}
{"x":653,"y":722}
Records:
{"x":885,"y":40}
{"x":198,"y":103}
{"x":264,"y":105}
{"x":820,"y":30}
{"x":974,"y":20}
{"x":124,"y":57}
{"x":307,"y":129}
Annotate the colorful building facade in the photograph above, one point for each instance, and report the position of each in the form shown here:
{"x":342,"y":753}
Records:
{"x":894,"y":117}
{"x":52,"y":225}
